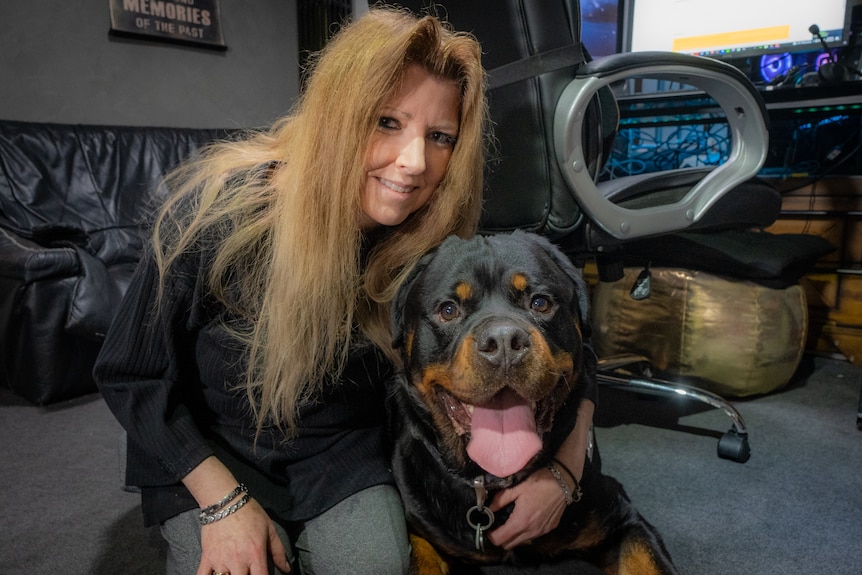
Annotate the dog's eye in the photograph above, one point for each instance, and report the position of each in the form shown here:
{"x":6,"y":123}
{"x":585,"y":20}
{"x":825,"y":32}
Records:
{"x":540,"y":303}
{"x":448,"y":311}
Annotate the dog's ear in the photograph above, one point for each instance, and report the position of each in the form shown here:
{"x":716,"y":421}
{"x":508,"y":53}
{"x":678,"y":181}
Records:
{"x":397,"y":311}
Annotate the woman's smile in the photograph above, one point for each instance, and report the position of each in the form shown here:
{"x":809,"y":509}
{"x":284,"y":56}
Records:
{"x":401,"y":189}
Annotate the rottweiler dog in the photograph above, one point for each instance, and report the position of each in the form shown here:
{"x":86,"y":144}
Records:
{"x":493,"y":333}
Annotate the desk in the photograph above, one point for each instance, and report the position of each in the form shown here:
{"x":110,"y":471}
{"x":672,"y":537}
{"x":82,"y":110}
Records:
{"x":846,"y":97}
{"x":794,"y":99}
{"x":813,"y":131}
{"x":814,"y":159}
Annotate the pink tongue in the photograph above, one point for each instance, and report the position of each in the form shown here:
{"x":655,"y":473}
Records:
{"x":503,"y":435}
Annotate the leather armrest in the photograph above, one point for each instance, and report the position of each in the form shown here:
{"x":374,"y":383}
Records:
{"x":28,"y":261}
{"x":93,"y":295}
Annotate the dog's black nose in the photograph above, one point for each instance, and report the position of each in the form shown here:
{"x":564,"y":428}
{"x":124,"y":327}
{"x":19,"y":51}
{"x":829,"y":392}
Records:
{"x":503,"y":344}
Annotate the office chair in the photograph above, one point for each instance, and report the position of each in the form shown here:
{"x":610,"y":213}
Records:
{"x":555,"y":116}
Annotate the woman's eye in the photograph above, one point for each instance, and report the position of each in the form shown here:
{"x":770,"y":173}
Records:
{"x":448,"y":311}
{"x":443,"y":138}
{"x":540,"y":303}
{"x":387,"y":123}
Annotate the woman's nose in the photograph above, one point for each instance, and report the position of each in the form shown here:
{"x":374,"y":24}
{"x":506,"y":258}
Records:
{"x":411,"y":157}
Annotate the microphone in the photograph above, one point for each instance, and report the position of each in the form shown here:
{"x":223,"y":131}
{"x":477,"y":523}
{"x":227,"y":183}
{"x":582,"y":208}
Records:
{"x":815,"y":31}
{"x":831,"y":72}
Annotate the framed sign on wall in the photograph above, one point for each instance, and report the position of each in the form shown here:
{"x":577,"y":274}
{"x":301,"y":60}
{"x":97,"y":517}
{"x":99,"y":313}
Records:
{"x":196,"y":22}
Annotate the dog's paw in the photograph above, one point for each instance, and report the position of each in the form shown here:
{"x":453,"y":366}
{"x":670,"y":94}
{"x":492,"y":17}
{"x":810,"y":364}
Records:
{"x":424,"y":559}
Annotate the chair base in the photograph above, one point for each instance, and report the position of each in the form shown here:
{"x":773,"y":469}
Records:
{"x":859,"y":411}
{"x":733,"y":445}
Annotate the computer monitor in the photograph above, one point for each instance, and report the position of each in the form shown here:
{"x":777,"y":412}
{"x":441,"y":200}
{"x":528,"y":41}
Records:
{"x":730,"y":29}
{"x":600,"y":24}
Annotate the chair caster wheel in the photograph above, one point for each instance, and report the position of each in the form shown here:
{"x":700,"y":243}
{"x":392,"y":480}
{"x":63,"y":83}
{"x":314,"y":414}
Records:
{"x":734,"y":446}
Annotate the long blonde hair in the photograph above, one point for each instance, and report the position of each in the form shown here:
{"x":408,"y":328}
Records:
{"x":283,"y":205}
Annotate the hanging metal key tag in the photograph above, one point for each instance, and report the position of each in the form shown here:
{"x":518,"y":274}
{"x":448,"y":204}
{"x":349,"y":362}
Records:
{"x":481,"y":495}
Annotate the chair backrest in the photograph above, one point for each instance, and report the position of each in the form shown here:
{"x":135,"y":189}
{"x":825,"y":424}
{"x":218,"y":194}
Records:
{"x":524,"y":187}
{"x":91,"y":185}
{"x":555,"y":116}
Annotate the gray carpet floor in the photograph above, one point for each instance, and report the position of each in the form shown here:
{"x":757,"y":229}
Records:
{"x":794,"y":508}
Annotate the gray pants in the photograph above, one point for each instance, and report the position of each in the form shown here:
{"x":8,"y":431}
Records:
{"x":364,"y":534}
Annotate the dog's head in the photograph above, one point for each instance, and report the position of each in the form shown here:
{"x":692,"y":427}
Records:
{"x":491,"y":334}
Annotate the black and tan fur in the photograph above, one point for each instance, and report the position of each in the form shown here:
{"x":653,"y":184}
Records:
{"x":476,"y":317}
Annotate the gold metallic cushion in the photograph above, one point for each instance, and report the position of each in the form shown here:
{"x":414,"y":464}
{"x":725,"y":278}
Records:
{"x":740,"y":338}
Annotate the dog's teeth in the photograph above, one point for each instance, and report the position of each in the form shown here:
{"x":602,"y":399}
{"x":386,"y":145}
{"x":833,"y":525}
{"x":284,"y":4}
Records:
{"x":469,"y":408}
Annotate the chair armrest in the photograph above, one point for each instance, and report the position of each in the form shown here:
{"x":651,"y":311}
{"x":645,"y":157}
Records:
{"x":734,"y":93}
{"x":92,"y":295}
{"x":27,"y":261}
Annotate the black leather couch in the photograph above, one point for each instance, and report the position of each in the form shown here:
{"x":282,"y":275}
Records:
{"x":73,"y":200}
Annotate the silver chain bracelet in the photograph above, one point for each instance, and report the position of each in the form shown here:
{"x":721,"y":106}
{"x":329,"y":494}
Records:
{"x":218,"y":510}
{"x":567,"y":494}
{"x":206,"y":519}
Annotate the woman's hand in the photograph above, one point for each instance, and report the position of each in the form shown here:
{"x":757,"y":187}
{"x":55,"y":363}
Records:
{"x":241,"y":542}
{"x":539,"y":500}
{"x":539,"y":505}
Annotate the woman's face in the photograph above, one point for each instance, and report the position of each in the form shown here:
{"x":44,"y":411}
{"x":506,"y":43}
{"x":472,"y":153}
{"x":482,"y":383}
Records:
{"x":410,"y":149}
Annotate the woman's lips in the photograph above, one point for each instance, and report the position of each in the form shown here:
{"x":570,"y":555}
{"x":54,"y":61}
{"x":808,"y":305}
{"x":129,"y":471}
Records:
{"x":400,"y":188}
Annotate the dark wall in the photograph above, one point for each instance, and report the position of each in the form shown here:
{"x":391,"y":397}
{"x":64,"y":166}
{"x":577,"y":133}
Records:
{"x":59,"y":64}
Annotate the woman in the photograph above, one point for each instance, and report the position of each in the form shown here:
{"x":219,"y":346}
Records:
{"x":247,"y":361}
